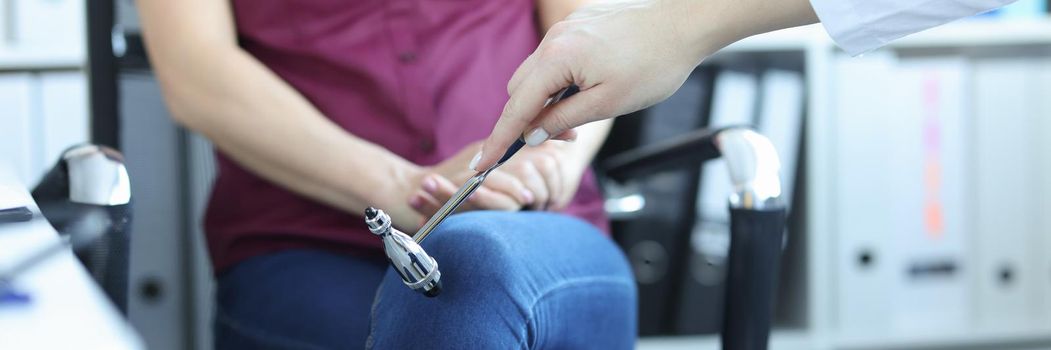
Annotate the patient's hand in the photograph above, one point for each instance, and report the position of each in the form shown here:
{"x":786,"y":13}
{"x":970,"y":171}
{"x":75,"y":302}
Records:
{"x":551,"y":171}
{"x":540,"y":178}
{"x":500,"y":191}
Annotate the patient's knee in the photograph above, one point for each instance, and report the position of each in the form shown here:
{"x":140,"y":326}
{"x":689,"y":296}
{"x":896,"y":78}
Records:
{"x":473,"y":246}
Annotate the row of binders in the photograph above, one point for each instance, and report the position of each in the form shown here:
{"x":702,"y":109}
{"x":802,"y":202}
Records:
{"x":942,"y":197}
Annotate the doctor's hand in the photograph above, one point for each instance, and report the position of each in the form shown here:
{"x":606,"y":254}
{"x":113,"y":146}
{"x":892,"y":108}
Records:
{"x":625,"y":55}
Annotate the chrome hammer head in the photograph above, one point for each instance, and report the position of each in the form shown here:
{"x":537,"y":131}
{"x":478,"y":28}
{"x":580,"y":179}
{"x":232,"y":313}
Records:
{"x":418,"y":270}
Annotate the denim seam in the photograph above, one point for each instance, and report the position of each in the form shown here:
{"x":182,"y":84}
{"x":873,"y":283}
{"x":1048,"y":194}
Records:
{"x":563,"y":286}
{"x":370,"y":341}
{"x":262,"y":336}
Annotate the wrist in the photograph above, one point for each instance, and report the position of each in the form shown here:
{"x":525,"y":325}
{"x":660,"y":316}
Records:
{"x":704,"y":27}
{"x":396,"y":182}
{"x":387,"y":181}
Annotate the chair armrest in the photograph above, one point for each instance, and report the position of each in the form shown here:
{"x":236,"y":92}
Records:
{"x":693,"y":148}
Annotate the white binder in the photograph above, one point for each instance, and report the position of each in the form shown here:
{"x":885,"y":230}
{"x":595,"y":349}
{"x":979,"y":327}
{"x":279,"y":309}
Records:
{"x":1005,"y":188}
{"x":16,"y":151}
{"x":931,"y":283}
{"x":63,"y":114}
{"x":1043,"y":118}
{"x":901,"y":187}
{"x":862,"y":258}
{"x":781,"y":120}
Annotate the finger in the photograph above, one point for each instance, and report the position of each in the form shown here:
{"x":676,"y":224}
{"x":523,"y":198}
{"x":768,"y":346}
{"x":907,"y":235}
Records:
{"x":484,"y":198}
{"x":520,"y":111}
{"x":433,"y":193}
{"x":445,"y":190}
{"x":523,"y":71}
{"x":583,"y":107}
{"x":567,"y":190}
{"x":510,"y":185}
{"x":552,"y":173}
{"x":568,"y":135}
{"x":533,"y":181}
{"x":424,"y":203}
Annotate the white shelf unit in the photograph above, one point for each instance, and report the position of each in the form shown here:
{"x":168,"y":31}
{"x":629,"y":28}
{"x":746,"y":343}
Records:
{"x":13,"y":60}
{"x":978,"y":36}
{"x":43,"y":74}
{"x":977,"y":32}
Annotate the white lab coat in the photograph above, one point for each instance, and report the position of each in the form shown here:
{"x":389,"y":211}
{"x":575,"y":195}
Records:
{"x":858,"y":26}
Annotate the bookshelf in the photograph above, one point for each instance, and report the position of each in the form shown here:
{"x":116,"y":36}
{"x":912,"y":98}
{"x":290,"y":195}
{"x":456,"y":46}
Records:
{"x":15,"y":60}
{"x":978,"y":32}
{"x":1026,"y":39}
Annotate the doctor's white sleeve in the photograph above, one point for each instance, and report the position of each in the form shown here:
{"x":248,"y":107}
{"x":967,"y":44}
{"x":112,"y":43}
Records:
{"x":858,"y":26}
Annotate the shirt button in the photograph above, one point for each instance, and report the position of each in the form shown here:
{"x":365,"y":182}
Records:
{"x":426,"y":145}
{"x":407,"y":57}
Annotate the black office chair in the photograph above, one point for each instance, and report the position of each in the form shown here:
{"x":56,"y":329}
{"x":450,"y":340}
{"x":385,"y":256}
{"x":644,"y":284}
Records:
{"x":87,"y":180}
{"x":757,"y":219}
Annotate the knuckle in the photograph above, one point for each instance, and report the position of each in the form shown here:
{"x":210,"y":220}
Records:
{"x":516,"y":168}
{"x":527,"y":166}
{"x":547,"y":162}
{"x":559,"y":120}
{"x":556,"y":49}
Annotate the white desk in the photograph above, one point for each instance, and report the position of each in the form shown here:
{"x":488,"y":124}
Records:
{"x":67,"y":309}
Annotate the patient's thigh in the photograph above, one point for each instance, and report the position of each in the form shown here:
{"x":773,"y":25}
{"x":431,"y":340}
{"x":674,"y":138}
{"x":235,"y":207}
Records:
{"x":512,"y":280}
{"x":296,"y":299}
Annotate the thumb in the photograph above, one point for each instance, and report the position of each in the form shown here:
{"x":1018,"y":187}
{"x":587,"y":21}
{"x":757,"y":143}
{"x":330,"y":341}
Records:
{"x":558,"y":120}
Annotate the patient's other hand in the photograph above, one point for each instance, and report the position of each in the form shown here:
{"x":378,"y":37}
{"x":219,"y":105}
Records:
{"x":500,"y":191}
{"x":550,"y":171}
{"x":539,"y":178}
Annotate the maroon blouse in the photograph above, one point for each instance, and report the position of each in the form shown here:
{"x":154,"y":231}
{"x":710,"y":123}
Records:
{"x":404,"y":74}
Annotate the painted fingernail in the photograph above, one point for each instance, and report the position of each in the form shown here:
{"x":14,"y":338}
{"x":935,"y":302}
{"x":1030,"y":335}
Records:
{"x":416,"y":202}
{"x":430,"y":185}
{"x":527,"y":195}
{"x":474,"y":161}
{"x":536,"y":137}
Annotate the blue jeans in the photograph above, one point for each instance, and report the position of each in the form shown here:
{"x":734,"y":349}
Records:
{"x":523,"y":280}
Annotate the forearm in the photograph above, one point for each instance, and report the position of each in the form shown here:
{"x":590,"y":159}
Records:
{"x":707,"y":26}
{"x":266,"y":126}
{"x":549,"y":12}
